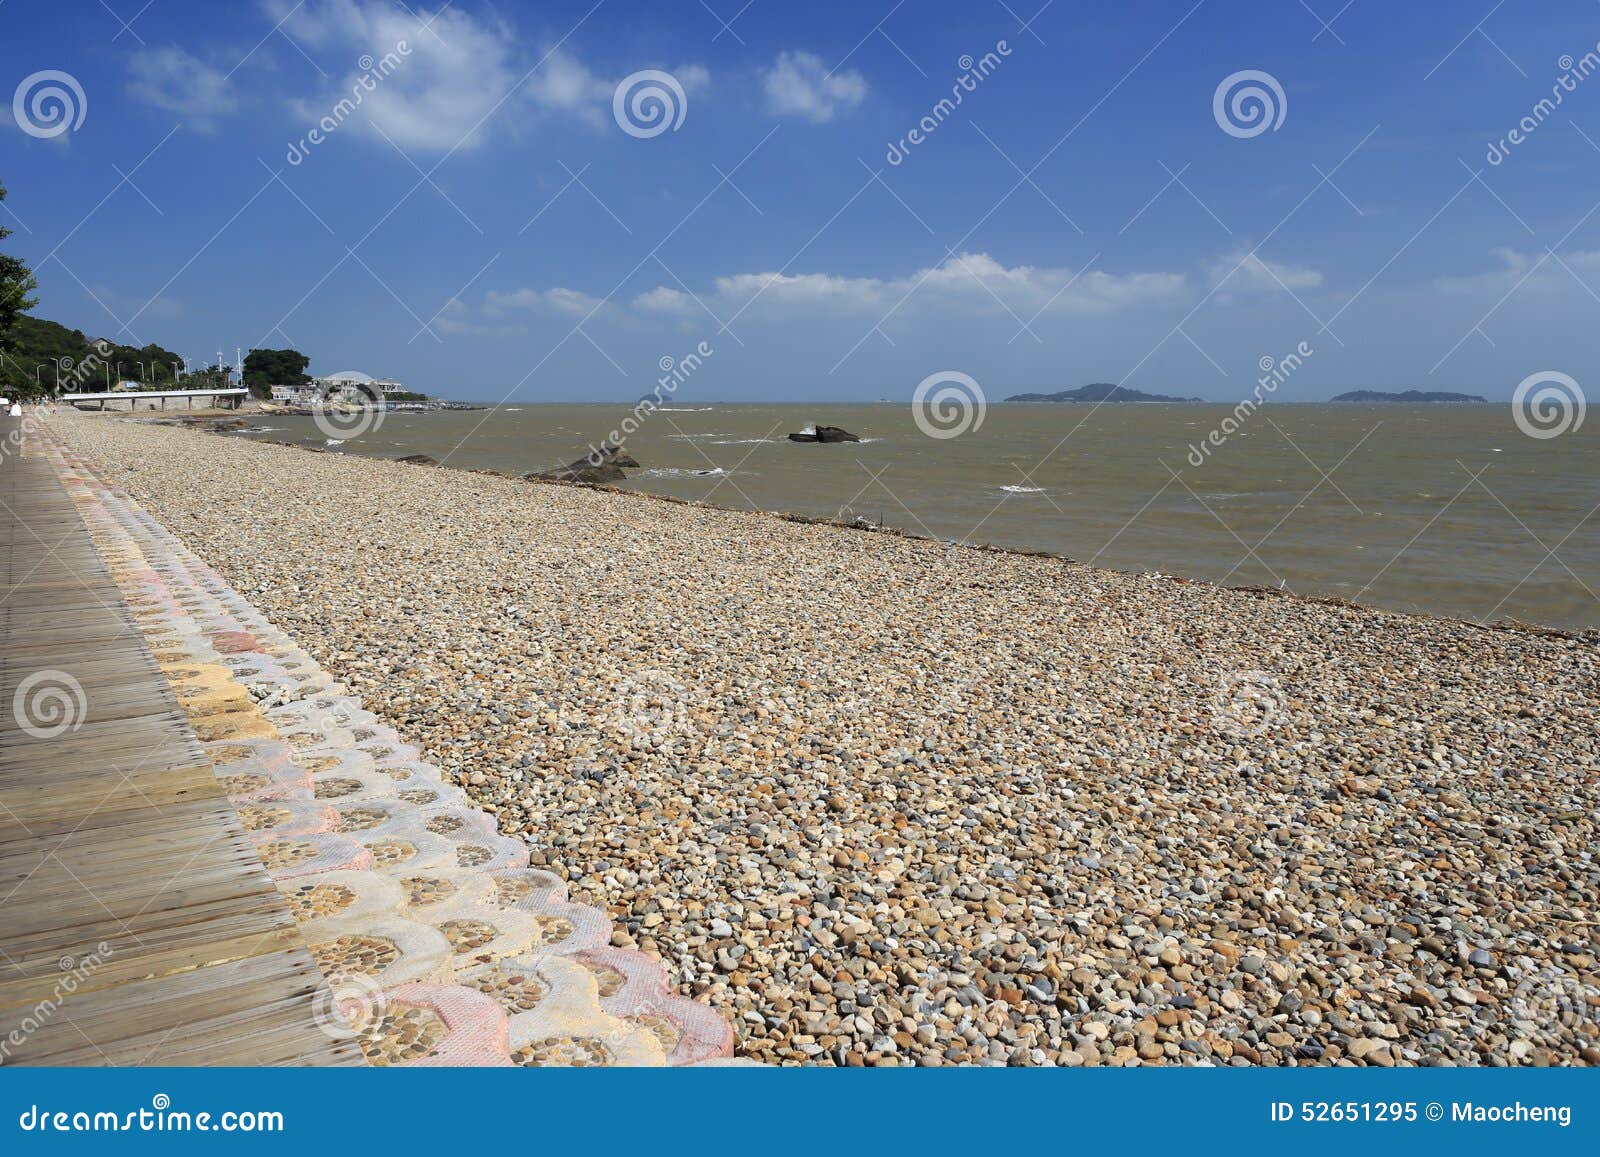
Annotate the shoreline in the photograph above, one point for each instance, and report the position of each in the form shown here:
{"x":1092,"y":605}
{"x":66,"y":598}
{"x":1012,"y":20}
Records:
{"x":881,"y":802}
{"x":206,"y":423}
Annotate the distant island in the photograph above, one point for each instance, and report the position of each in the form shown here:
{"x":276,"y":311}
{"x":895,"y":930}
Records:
{"x":1406,"y":396}
{"x":1098,"y":392}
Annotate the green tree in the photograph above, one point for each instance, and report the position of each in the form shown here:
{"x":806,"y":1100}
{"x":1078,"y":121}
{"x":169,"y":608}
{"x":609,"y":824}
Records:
{"x":16,"y":282}
{"x":150,"y":365}
{"x":264,"y":369}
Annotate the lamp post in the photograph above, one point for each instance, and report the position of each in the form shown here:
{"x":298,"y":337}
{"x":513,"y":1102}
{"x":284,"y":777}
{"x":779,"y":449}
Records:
{"x":36,"y":370}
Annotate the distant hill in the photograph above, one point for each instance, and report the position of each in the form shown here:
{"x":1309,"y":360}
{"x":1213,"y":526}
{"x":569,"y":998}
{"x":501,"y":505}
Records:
{"x":1098,"y":392}
{"x":1406,"y":396}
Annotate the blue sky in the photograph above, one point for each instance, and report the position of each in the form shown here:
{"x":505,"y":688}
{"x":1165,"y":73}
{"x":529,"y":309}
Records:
{"x":483,"y":226}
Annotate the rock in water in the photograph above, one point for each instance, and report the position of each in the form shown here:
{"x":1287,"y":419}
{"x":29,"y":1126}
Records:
{"x":601,"y":466}
{"x":824,"y":434}
{"x":580,"y":472}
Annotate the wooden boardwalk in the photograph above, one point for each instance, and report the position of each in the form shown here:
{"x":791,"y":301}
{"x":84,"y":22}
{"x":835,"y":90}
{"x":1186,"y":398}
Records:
{"x":137,"y":925}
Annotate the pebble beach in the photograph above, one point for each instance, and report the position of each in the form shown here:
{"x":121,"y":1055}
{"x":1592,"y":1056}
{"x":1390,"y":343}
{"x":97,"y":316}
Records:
{"x":884,"y":801}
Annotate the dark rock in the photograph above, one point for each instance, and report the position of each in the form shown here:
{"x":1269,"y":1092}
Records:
{"x":418,"y":460}
{"x":600,"y":466}
{"x":580,"y":472}
{"x":824,"y":434}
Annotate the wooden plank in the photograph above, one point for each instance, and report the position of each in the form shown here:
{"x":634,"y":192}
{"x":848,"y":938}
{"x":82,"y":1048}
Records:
{"x":117,"y":845}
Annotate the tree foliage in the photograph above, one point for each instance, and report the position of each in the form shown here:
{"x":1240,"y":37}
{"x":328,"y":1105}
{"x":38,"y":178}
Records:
{"x":264,"y":369}
{"x":16,"y":283}
{"x":42,"y":353}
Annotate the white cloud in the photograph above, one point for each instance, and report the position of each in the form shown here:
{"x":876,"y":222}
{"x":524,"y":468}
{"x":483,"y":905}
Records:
{"x":451,"y":70}
{"x":969,"y":280}
{"x":459,"y":76}
{"x":571,"y":302}
{"x":565,"y":83}
{"x":1520,"y":273}
{"x":172,"y":80}
{"x":663,"y":299}
{"x":1246,"y":272}
{"x":799,"y":84}
{"x":971,"y":288}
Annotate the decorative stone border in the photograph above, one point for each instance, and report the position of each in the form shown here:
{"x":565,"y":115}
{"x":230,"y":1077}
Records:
{"x":438,"y":944}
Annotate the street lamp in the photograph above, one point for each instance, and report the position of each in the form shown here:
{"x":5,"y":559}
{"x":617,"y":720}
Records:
{"x":36,"y":370}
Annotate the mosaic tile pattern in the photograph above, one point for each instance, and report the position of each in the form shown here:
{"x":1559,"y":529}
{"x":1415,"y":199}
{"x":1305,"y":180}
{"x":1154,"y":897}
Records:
{"x":415,"y":908}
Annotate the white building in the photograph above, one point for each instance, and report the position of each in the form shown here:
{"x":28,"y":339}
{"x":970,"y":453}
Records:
{"x":353,"y":386}
{"x":347,"y":386}
{"x":295,"y":395}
